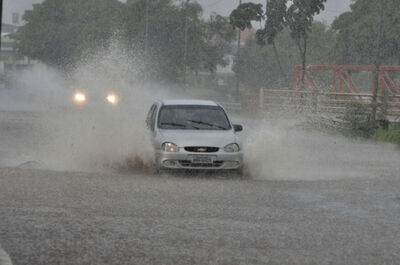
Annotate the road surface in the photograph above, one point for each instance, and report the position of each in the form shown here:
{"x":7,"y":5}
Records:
{"x":52,"y":215}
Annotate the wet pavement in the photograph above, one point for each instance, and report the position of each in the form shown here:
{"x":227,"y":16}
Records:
{"x":50,"y":217}
{"x":108,"y":217}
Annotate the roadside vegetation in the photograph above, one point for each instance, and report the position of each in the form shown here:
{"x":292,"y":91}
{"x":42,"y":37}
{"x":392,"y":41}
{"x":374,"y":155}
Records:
{"x":168,"y":40}
{"x":391,"y":135}
{"x":366,"y":34}
{"x":171,"y":41}
{"x":357,"y":121}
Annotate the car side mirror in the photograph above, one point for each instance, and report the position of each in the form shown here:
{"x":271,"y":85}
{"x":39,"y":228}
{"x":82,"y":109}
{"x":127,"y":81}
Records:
{"x":237,"y":127}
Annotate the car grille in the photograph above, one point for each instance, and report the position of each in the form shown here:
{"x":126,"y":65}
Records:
{"x":188,"y":163}
{"x":201,"y":149}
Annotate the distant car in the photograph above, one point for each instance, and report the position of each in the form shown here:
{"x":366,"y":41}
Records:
{"x":194,"y":134}
{"x":80,"y":98}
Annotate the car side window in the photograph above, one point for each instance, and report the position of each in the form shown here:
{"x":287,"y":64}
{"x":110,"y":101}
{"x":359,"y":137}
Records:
{"x":149,"y":115}
{"x":153,"y":118}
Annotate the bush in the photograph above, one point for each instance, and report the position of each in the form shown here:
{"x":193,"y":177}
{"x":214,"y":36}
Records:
{"x":357,"y":120}
{"x":391,"y":135}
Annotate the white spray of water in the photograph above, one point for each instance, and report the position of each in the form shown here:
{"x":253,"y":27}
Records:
{"x":281,"y":150}
{"x":96,"y":134}
{"x":39,"y":88}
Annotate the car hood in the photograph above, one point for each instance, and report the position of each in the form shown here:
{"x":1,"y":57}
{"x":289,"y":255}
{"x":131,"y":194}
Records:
{"x":217,"y":138}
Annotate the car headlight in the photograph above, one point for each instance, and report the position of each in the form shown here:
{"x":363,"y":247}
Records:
{"x":79,"y":97}
{"x":169,"y":147}
{"x":232,"y":148}
{"x":112,"y":98}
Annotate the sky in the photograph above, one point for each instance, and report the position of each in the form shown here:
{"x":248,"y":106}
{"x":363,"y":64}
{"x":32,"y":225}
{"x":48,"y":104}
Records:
{"x":333,"y":8}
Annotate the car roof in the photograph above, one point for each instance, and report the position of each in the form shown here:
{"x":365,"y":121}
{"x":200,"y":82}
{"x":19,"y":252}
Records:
{"x":188,"y":102}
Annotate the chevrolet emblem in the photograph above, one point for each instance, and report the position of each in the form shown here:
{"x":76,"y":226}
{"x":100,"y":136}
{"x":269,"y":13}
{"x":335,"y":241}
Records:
{"x":201,"y":149}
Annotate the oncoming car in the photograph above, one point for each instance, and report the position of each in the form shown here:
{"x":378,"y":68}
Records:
{"x":81,"y":98}
{"x":194,"y":134}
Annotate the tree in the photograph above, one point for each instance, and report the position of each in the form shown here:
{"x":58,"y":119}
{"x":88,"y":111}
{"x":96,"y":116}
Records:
{"x":274,"y":24}
{"x":299,"y":17}
{"x":258,"y":65}
{"x":219,"y":28}
{"x":62,"y":33}
{"x":244,"y":14}
{"x":256,"y":69}
{"x":358,"y":33}
{"x":154,"y":29}
{"x":164,"y":36}
{"x":59,"y":32}
{"x":369,"y":34}
{"x":218,"y":35}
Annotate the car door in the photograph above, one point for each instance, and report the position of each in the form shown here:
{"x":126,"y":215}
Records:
{"x":151,"y":121}
{"x":149,"y":115}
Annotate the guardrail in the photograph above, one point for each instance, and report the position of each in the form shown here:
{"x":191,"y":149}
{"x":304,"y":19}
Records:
{"x":332,"y":102}
{"x":317,"y":102}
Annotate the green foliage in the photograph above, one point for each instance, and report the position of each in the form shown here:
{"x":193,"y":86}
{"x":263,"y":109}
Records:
{"x":358,"y":33}
{"x":276,"y":12}
{"x":62,"y":33}
{"x":358,"y":121}
{"x":300,"y":16}
{"x":163,"y":45}
{"x":218,"y":35}
{"x":218,"y":27}
{"x":392,"y":135}
{"x":256,"y":68}
{"x":165,"y":39}
{"x":258,"y":63}
{"x":57,"y":31}
{"x":242,"y":16}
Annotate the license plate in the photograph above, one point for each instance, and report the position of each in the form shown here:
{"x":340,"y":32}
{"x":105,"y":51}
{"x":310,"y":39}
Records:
{"x":202,"y":159}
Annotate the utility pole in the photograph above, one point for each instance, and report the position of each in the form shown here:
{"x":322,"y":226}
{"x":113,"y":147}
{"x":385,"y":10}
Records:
{"x":378,"y":60}
{"x":1,"y":19}
{"x":237,"y":60}
{"x":186,"y":42}
{"x":146,"y":41}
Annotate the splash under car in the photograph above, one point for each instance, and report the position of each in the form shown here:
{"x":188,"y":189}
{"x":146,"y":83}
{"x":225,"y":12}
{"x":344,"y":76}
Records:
{"x":194,"y":134}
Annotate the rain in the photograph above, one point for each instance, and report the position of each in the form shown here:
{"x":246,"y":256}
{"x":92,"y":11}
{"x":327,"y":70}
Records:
{"x":199,"y":132}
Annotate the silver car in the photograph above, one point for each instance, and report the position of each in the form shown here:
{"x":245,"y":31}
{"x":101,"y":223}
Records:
{"x":193,"y":134}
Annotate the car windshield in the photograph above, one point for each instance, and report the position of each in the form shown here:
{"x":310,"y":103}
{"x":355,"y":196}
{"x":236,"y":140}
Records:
{"x":193,"y":117}
{"x":199,"y":132}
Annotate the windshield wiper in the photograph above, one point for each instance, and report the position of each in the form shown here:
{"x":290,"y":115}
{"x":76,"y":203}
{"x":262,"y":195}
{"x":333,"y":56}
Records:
{"x":178,"y":125}
{"x":173,"y":124}
{"x":209,"y":124}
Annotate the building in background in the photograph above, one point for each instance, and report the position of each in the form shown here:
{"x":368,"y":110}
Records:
{"x":10,"y":60}
{"x":15,"y":18}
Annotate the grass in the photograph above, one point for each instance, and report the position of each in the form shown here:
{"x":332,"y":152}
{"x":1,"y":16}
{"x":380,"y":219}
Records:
{"x":358,"y":122}
{"x":392,"y":135}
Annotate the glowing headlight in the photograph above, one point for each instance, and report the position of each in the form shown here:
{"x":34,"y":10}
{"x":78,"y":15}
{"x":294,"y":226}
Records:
{"x":79,"y":98}
{"x":112,"y":98}
{"x":232,"y":148}
{"x":169,"y":147}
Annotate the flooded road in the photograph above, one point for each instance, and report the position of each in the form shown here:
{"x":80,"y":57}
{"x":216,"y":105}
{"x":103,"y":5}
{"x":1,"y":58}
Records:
{"x":334,"y":213}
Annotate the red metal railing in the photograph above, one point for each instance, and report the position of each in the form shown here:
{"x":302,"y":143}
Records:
{"x":341,"y":72}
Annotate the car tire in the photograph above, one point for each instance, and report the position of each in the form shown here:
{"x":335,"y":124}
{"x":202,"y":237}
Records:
{"x":160,"y":170}
{"x":240,"y":172}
